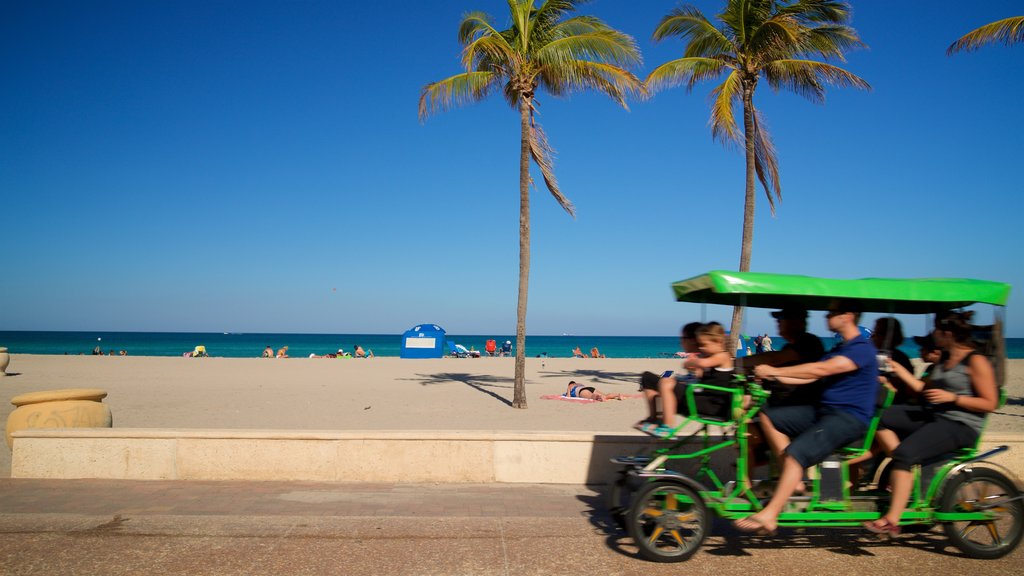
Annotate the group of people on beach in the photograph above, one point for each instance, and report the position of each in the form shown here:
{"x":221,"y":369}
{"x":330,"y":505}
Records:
{"x":97,"y":351}
{"x":357,"y":352}
{"x":822,"y":401}
{"x":594,"y":353}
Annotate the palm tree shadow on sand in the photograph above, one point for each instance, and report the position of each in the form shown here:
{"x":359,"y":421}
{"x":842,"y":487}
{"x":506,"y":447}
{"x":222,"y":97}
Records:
{"x":479,"y":382}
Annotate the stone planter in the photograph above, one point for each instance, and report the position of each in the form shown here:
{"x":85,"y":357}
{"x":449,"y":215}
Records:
{"x":70,"y":408}
{"x":5,"y":360}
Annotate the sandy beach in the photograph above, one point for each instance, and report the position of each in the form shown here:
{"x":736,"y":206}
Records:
{"x":357,"y":394}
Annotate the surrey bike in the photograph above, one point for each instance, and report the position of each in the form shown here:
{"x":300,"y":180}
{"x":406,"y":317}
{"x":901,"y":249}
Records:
{"x":668,"y":513}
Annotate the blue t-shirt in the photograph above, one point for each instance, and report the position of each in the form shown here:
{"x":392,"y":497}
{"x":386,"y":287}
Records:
{"x":854,"y":392}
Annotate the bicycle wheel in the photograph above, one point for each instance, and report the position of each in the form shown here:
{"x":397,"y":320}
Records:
{"x":667,"y":521}
{"x":984,"y":489}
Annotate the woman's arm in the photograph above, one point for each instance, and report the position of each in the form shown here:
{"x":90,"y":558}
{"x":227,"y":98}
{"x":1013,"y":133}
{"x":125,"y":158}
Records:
{"x":983,"y":382}
{"x":906,"y":377}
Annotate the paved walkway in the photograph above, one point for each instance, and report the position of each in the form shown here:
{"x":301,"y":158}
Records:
{"x":249,"y":528}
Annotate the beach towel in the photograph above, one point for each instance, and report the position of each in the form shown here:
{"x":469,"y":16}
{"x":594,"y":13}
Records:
{"x":584,"y":400}
{"x":566,"y":398}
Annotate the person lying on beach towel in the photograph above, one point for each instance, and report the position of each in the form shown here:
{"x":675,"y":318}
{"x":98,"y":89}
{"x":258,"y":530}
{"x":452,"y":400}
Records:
{"x":575,"y":390}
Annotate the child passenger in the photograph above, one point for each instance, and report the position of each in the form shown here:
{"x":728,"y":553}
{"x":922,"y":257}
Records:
{"x":714,"y":365}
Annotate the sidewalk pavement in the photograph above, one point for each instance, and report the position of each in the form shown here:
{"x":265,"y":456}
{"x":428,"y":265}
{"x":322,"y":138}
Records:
{"x":117,"y":527}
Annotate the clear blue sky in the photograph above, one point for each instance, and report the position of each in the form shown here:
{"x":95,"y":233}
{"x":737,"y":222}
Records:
{"x":259,"y":167}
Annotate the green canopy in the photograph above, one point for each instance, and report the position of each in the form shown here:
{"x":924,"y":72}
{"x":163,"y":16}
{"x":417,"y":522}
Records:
{"x":891,"y":295}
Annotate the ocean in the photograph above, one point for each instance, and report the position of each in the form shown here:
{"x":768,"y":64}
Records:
{"x":302,"y":345}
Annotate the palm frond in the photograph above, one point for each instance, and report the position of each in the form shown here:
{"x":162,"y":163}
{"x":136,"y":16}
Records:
{"x":577,"y":25}
{"x":600,"y":46}
{"x":806,"y":78}
{"x":686,"y":71}
{"x":487,"y":52}
{"x":688,"y":23}
{"x":474,"y":25}
{"x":723,"y":118}
{"x":454,"y":91}
{"x":1007,"y":31}
{"x":777,"y":37}
{"x":521,"y":12}
{"x":744,"y":17}
{"x":830,"y":41}
{"x":615,"y":82}
{"x":766,"y":163}
{"x":552,"y":11}
{"x":811,"y":12}
{"x":543,"y":156}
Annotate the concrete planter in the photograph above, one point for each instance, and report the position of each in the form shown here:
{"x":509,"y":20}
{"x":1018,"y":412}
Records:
{"x":70,"y":408}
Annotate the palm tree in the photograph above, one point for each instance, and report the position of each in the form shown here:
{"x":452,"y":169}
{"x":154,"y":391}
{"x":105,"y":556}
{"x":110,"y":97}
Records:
{"x":1009,"y":31}
{"x":770,"y":39}
{"x":543,"y":48}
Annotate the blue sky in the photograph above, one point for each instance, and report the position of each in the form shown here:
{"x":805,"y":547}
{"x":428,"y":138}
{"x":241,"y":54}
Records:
{"x":259,"y":167}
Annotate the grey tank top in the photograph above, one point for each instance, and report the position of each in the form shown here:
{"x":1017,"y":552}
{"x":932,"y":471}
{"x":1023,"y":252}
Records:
{"x":956,"y":381}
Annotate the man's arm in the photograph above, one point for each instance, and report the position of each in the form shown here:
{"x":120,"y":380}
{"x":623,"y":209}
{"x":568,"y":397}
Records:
{"x":774,"y":358}
{"x":806,"y":373}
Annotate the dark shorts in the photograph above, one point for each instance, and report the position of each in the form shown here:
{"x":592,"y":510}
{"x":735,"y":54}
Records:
{"x":815,"y":432}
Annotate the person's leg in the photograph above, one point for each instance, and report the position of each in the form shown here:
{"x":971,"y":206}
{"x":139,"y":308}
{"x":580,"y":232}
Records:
{"x":777,"y":441}
{"x":766,"y":520}
{"x":930,"y":441}
{"x":669,"y":402}
{"x":887,"y":441}
{"x":782,"y":423}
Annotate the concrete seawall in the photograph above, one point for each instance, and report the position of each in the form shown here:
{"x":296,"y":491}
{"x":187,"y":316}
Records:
{"x":347,"y":456}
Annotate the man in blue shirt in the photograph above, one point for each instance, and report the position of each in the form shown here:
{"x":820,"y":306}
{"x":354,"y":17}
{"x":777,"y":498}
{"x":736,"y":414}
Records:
{"x":804,"y":435}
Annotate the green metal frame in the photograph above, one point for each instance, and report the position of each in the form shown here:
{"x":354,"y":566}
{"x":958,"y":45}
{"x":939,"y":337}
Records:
{"x":760,"y":290}
{"x":739,"y":500}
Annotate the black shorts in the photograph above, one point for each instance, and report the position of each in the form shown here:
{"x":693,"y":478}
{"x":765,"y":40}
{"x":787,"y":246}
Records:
{"x":815,"y":432}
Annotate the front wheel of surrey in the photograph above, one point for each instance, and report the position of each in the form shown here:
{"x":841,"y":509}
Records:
{"x":667,"y":521}
{"x":984,"y":489}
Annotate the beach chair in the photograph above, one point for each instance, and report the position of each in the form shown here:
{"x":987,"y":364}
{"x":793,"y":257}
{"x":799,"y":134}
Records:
{"x":466,"y":353}
{"x":454,"y":352}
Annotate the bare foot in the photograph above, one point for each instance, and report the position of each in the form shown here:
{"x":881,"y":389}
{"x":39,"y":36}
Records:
{"x":755,"y":525}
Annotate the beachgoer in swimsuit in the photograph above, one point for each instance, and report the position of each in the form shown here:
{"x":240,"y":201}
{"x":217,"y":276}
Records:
{"x":575,"y":390}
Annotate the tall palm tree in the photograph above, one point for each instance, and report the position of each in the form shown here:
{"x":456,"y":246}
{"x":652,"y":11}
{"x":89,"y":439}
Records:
{"x":543,"y":48}
{"x":754,"y":39}
{"x":1009,"y":31}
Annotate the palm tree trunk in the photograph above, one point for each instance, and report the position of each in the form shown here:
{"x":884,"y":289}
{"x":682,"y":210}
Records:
{"x":519,"y":398}
{"x":748,"y":203}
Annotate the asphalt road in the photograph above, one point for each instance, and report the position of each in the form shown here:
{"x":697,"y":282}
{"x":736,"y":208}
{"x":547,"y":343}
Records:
{"x":73,"y":527}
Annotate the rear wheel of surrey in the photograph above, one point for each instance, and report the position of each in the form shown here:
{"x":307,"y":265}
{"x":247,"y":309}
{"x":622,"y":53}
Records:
{"x":984,"y":489}
{"x":667,"y":521}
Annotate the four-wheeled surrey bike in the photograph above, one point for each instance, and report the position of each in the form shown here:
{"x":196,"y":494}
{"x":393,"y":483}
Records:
{"x":668,"y":513}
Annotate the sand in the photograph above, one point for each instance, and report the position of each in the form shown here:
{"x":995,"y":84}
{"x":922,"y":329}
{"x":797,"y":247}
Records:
{"x":363,"y":394}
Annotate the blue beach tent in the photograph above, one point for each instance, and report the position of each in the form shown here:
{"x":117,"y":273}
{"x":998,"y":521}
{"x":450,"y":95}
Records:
{"x":423,"y":341}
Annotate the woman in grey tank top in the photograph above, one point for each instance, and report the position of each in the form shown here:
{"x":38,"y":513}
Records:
{"x":952,"y":413}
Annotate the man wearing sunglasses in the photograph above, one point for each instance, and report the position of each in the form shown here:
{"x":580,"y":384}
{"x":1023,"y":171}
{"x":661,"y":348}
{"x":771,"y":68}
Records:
{"x":804,"y":435}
